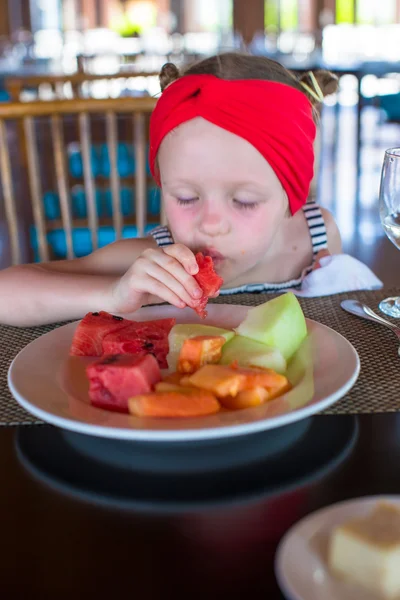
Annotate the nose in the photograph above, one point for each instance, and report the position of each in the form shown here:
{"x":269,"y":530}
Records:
{"x":214,"y":222}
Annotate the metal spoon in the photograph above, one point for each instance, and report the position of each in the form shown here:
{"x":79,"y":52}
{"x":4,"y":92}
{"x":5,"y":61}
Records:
{"x":365,"y":312}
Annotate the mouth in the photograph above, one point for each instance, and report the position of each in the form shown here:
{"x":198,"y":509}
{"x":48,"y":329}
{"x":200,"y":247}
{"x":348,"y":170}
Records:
{"x":214,"y":254}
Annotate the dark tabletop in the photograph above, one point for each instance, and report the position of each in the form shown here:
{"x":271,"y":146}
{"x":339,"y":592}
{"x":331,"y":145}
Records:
{"x":197,"y":521}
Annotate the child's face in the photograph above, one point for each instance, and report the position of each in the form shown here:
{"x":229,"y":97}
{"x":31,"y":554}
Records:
{"x":221,"y":196}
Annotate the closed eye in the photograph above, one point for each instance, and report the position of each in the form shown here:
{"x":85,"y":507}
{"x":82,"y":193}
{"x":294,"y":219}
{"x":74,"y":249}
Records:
{"x":245,"y":205}
{"x":186,"y":201}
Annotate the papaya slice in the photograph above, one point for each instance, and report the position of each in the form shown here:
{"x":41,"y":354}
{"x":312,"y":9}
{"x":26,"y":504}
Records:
{"x":174,"y":404}
{"x":217,"y":379}
{"x":165,"y":386}
{"x":245,"y":399}
{"x":273,"y":382}
{"x":198,"y":351}
{"x":173,"y":378}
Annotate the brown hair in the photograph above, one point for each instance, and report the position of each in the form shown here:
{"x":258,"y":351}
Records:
{"x":236,"y":65}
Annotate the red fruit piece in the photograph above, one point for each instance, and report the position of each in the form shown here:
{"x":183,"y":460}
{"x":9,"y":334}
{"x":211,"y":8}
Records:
{"x":115,"y":379}
{"x":208,"y":280}
{"x":89,"y":334}
{"x":141,"y":338}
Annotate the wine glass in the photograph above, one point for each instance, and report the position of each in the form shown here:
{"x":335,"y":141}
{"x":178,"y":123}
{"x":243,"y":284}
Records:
{"x":389,"y":208}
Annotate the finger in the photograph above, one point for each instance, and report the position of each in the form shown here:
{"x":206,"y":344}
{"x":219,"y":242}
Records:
{"x":173,"y":266}
{"x":184,"y":256}
{"x":158,"y":272}
{"x":156,"y":288}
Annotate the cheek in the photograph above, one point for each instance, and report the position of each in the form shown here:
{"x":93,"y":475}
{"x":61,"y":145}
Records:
{"x":256,"y":232}
{"x":180,"y":220}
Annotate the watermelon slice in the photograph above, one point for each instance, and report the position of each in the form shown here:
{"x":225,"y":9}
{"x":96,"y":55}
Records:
{"x":141,"y":338}
{"x":115,"y":379}
{"x":209,"y":282}
{"x":89,"y":334}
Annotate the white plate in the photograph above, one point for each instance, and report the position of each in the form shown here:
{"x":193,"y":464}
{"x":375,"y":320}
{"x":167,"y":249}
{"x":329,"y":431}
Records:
{"x":51,"y":385}
{"x":301,"y":560}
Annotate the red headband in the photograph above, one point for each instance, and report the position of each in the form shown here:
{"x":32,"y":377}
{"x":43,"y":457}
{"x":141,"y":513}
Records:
{"x":275,"y":118}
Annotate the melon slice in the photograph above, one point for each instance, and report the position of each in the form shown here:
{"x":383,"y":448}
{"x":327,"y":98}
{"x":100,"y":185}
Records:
{"x":249,"y":353}
{"x":180,"y":333}
{"x":279,"y":323}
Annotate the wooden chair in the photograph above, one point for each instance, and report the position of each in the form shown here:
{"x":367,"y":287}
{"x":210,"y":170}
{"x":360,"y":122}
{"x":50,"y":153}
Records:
{"x":129,"y":114}
{"x":76,"y":85}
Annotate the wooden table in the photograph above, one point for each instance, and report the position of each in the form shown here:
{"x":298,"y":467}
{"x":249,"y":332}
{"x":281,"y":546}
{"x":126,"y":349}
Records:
{"x":58,"y":546}
{"x":84,"y":518}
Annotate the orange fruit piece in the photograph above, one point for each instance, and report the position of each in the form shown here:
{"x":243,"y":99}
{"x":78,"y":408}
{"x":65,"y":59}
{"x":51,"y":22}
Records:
{"x":165,"y":386}
{"x":174,"y":404}
{"x":173,"y":378}
{"x":198,"y":351}
{"x":217,"y":379}
{"x":273,"y":382}
{"x":245,"y":399}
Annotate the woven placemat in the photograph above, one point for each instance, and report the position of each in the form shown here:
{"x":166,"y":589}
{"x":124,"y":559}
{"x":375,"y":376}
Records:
{"x":376,"y":391}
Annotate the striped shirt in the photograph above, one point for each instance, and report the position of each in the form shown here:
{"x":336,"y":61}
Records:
{"x":319,"y":240}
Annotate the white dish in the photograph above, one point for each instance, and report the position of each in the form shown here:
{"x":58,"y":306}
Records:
{"x":51,"y":385}
{"x":301,"y":560}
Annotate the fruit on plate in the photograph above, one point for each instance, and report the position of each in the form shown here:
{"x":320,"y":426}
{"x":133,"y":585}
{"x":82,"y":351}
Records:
{"x":189,"y":403}
{"x":114,"y":379}
{"x":229,"y":381}
{"x":245,"y":399}
{"x":279,"y":323}
{"x":221,"y":381}
{"x":208,"y":281}
{"x":199,"y":351}
{"x":141,"y":338}
{"x":274,"y":383}
{"x":165,"y":386}
{"x":249,"y":353}
{"x":90,"y":332}
{"x":180,"y":333}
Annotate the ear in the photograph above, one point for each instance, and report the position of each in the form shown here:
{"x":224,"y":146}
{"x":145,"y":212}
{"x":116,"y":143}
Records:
{"x":168,"y":74}
{"x":327,"y":81}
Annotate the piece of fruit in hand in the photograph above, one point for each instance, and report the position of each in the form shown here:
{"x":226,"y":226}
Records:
{"x":209,"y":282}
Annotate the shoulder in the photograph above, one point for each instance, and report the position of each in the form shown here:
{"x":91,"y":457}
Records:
{"x":333,"y":233}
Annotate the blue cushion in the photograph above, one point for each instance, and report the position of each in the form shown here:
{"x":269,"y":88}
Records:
{"x":100,"y":160}
{"x":390,"y":103}
{"x":81,"y":239}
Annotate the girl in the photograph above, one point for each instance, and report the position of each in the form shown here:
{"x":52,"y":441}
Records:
{"x":231,"y":145}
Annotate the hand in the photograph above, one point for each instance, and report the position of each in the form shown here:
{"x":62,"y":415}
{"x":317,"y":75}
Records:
{"x":163,"y":272}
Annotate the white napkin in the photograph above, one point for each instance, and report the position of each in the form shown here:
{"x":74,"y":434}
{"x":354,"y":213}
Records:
{"x":338,"y":273}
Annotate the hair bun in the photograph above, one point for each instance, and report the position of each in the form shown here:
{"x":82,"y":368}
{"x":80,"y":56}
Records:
{"x":327,"y":82}
{"x":169,"y":73}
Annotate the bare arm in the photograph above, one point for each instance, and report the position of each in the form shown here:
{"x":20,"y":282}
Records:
{"x":61,"y":290}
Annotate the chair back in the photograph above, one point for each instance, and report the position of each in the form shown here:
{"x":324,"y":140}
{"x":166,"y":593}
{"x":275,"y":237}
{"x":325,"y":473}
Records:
{"x":78,"y":85}
{"x":43,"y":131}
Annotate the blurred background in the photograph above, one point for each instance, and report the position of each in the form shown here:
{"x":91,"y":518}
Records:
{"x":78,"y":81}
